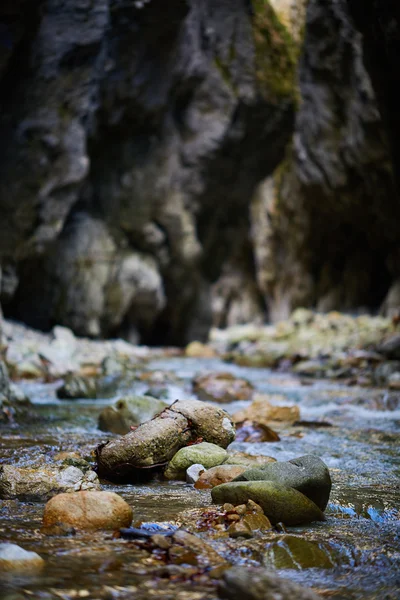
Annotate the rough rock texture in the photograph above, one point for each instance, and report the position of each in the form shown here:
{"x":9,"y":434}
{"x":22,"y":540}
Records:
{"x":155,"y":442}
{"x":379,"y":22}
{"x":325,"y":228}
{"x":36,"y":485}
{"x":131,"y":146}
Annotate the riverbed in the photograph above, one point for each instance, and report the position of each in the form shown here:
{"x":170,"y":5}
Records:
{"x":349,"y":427}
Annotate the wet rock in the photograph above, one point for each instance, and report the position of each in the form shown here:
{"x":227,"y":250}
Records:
{"x":307,"y":474}
{"x":147,"y":530}
{"x":13,"y":558}
{"x":155,"y":442}
{"x":208,"y":455}
{"x":190,"y":548}
{"x":252,"y":520}
{"x":36,"y":485}
{"x":75,"y":387}
{"x":127,"y":411}
{"x":390,"y":347}
{"x":14,"y":404}
{"x":222,"y":387}
{"x":243,"y":583}
{"x":199,"y":350}
{"x":280,"y":503}
{"x":193,"y":473}
{"x":87,"y":510}
{"x":217,"y":475}
{"x":248,"y":460}
{"x":261,"y":411}
{"x":383,"y":371}
{"x":295,"y":552}
{"x":394,"y":381}
{"x":252,"y":432}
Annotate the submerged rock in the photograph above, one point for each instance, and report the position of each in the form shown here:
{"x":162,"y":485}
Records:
{"x":155,"y":442}
{"x":15,"y":558}
{"x":127,"y":411}
{"x":36,"y":485}
{"x":222,"y":387}
{"x":208,"y":455}
{"x":295,"y":552}
{"x":243,"y":583}
{"x":307,"y":474}
{"x":281,"y":504}
{"x":87,"y":510}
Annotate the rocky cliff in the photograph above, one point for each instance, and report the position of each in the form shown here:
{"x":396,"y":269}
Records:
{"x":132,"y":136}
{"x":325,"y":227}
{"x":137,"y":146}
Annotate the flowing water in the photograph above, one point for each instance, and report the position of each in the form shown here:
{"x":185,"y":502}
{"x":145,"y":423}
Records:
{"x":356,"y":551}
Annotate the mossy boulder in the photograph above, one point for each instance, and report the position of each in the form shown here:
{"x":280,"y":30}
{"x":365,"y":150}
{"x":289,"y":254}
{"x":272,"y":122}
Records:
{"x":208,"y":455}
{"x":75,"y":387}
{"x":307,"y":474}
{"x":281,"y":504}
{"x":127,"y":411}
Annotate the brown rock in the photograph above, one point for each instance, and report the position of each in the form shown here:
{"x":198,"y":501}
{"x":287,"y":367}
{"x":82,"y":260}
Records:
{"x":248,"y":460}
{"x":217,"y":475}
{"x":261,"y":411}
{"x":199,"y":350}
{"x":222,"y":387}
{"x":87,"y":510}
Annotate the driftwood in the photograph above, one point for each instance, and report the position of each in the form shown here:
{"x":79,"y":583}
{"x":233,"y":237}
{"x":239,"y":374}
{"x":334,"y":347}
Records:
{"x":155,"y":442}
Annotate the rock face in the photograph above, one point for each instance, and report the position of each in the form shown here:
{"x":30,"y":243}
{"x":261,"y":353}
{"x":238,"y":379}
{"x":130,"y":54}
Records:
{"x":332,"y":206}
{"x":132,"y":146}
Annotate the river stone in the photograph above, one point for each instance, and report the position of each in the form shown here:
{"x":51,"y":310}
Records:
{"x":15,"y":558}
{"x":295,"y":552}
{"x":248,"y":460}
{"x":87,"y":510}
{"x":281,"y":504}
{"x":208,"y":455}
{"x":217,"y":475}
{"x":38,"y":485}
{"x":307,"y":474}
{"x":222,"y":387}
{"x":244,"y":583}
{"x":75,"y":387}
{"x":193,"y":473}
{"x":127,"y":411}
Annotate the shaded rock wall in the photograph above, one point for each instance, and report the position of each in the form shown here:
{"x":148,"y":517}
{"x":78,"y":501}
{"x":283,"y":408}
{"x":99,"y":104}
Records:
{"x":132,"y":138}
{"x":325,"y":228}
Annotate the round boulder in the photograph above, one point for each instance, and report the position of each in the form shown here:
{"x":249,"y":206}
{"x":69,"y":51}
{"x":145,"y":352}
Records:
{"x":87,"y":510}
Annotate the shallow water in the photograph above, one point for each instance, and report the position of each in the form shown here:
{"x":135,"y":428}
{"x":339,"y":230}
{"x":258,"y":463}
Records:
{"x":360,"y":446}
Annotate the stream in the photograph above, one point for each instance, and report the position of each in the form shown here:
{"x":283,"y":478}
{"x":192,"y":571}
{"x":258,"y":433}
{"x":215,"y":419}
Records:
{"x":356,"y":435}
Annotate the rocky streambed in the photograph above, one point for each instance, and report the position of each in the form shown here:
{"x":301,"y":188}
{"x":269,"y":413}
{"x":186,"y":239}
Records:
{"x":187,"y":545}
